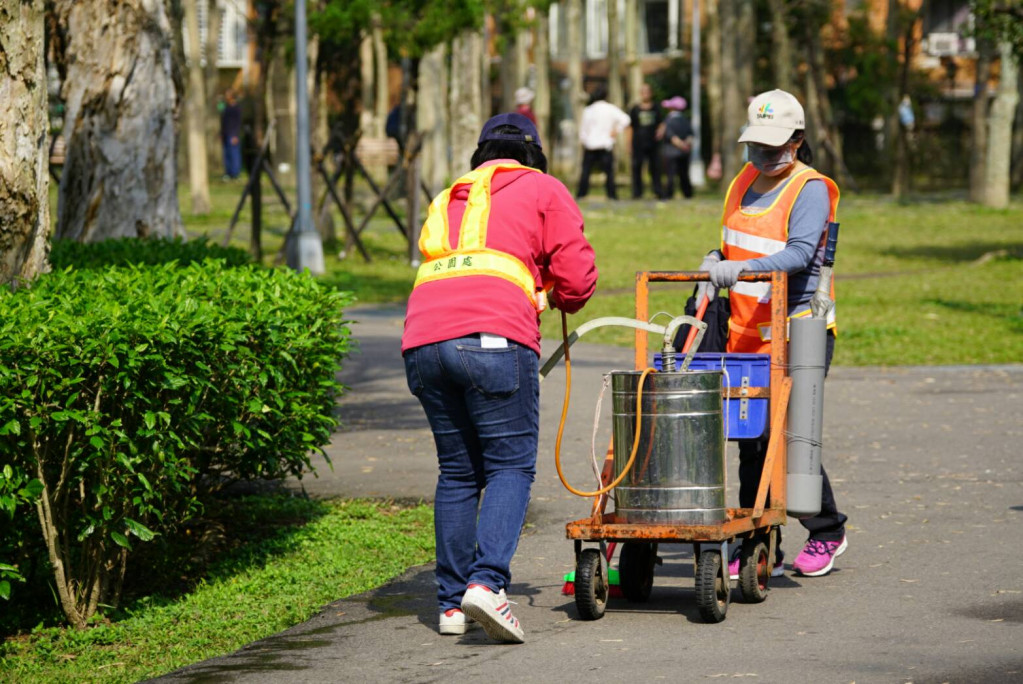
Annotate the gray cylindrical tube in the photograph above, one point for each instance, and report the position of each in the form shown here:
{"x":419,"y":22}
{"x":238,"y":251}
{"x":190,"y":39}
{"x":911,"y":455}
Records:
{"x":807,"y":351}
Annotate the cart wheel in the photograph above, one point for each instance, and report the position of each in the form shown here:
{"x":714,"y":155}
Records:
{"x":711,"y":589}
{"x":754,"y":571}
{"x":590,"y":586}
{"x":636,"y":570}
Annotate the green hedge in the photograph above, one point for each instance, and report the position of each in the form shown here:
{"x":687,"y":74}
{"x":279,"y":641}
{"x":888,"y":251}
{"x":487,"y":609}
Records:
{"x":137,"y":251}
{"x":126,"y":391}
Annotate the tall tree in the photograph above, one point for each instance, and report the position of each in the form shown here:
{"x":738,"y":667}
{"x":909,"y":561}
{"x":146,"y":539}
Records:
{"x":978,"y":142}
{"x":614,"y":76}
{"x":542,"y":58}
{"x":465,"y":97}
{"x":732,"y":98}
{"x":119,"y":176}
{"x":1001,"y":23}
{"x":195,"y":98}
{"x":211,"y":76}
{"x":714,"y":89}
{"x":577,"y":96}
{"x":24,"y":149}
{"x":999,"y":136}
{"x":781,"y":46}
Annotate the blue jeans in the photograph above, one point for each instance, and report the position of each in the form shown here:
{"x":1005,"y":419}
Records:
{"x":232,"y":159}
{"x":484,"y":409}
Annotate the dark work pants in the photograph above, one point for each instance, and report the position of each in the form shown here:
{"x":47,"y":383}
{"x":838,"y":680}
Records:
{"x":679,"y":167}
{"x":829,"y":524}
{"x":603,"y":160}
{"x":653,"y":160}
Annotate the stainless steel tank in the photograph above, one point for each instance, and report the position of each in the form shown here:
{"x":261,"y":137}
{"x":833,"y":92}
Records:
{"x":679,"y":472}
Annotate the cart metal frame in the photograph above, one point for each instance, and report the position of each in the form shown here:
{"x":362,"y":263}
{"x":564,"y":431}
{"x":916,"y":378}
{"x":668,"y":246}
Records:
{"x":747,"y":523}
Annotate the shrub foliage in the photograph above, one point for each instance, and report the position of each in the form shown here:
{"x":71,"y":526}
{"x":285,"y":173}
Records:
{"x":137,"y":251}
{"x":125,"y":391}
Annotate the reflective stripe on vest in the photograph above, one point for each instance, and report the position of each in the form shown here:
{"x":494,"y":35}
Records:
{"x":471,"y":256}
{"x":753,"y":234}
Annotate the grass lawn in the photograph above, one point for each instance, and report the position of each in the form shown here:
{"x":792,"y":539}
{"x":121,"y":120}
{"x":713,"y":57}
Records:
{"x":206,"y":594}
{"x":938,"y":281}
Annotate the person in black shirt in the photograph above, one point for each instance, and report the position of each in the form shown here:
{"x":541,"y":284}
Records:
{"x":678,"y":142}
{"x":230,"y":135}
{"x":646,"y":134}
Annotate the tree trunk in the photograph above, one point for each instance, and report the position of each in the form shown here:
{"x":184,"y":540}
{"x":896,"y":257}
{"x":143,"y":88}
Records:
{"x":542,"y":102}
{"x":714,"y":85}
{"x":281,"y":104}
{"x":999,"y":142}
{"x":214,"y":148}
{"x":382,"y":100}
{"x":733,"y":113}
{"x":507,"y":70}
{"x":432,"y":118}
{"x":24,"y":148}
{"x":614,"y":75}
{"x":466,"y":100}
{"x":574,"y":18}
{"x":198,"y":173}
{"x":978,"y":137}
{"x":119,"y":177}
{"x":367,"y":115}
{"x":1017,"y":144}
{"x":634,"y":69}
{"x":781,"y":57}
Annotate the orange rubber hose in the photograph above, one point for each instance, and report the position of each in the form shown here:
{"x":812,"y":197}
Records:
{"x":564,"y":415}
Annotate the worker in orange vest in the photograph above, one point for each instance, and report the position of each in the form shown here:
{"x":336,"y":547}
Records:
{"x":503,"y":243}
{"x":775,"y":218}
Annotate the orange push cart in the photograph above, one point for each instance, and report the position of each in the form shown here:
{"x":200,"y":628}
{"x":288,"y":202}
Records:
{"x":755,"y":528}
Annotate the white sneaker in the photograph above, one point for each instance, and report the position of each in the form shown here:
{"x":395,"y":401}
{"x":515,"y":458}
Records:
{"x":453,"y":621}
{"x":493,"y":612}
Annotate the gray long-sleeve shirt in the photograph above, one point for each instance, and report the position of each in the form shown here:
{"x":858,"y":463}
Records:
{"x":804,"y":249}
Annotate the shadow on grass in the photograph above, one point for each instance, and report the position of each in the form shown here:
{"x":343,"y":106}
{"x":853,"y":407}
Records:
{"x":239,"y":528}
{"x":963,"y":252}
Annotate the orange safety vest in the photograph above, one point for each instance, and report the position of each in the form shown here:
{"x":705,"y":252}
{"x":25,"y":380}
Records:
{"x":471,"y":256}
{"x":753,"y":234}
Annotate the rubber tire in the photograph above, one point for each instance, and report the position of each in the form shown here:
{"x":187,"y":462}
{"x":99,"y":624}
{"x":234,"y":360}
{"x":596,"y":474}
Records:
{"x":591,"y":589}
{"x":754,"y":571}
{"x":711,"y":597}
{"x":636,"y":570}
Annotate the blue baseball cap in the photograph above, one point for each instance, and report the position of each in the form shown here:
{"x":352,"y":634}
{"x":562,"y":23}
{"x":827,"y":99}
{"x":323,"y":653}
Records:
{"x":528,"y":132}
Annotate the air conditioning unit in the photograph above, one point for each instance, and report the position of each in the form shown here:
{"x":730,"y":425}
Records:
{"x":943,"y":44}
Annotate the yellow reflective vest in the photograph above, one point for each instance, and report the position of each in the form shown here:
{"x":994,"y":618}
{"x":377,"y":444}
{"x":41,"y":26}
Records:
{"x":471,"y":256}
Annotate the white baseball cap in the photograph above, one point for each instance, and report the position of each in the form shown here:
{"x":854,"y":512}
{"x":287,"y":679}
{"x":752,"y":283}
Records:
{"x":772,"y":118}
{"x":523,"y":95}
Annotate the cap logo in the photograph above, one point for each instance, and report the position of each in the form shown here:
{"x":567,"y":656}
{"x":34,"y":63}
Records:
{"x":765,"y":111}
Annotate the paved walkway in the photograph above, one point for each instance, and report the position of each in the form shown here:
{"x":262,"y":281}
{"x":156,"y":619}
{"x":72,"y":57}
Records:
{"x":925,"y":461}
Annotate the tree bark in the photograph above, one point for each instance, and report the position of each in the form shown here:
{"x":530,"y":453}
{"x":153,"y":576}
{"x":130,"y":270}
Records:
{"x":542,"y":103}
{"x":466,"y":99}
{"x":573,"y":18}
{"x":999,"y":142}
{"x":781,"y":57}
{"x":978,"y":137}
{"x":214,"y":148}
{"x":24,"y":143}
{"x":714,"y":86}
{"x":119,"y":177}
{"x":382,"y":99}
{"x":732,"y":115}
{"x":634,"y":70}
{"x":198,"y":173}
{"x":614,"y":75}
{"x":367,"y":115}
{"x":432,"y":118}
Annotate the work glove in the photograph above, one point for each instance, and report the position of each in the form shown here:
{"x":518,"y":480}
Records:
{"x":704,"y":288}
{"x":726,"y":273}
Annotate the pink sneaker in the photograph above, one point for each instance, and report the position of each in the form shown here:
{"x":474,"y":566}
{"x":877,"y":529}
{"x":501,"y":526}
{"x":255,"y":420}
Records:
{"x":777,"y":571}
{"x":817,"y":557}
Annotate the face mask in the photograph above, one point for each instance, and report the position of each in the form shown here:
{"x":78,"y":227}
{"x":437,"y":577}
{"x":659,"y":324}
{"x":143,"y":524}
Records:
{"x":770,"y":159}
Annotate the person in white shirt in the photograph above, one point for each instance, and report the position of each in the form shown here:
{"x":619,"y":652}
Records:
{"x":600,"y":126}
